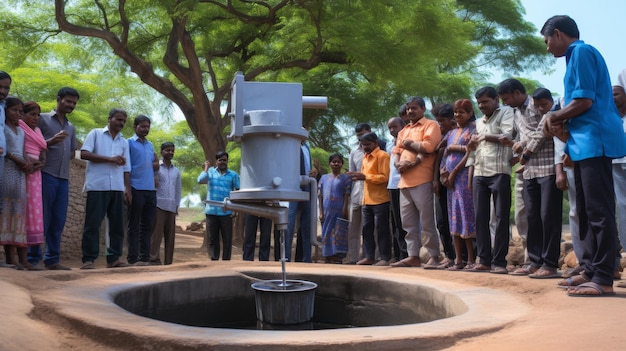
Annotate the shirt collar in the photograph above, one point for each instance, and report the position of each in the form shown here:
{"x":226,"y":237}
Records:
{"x":570,"y":48}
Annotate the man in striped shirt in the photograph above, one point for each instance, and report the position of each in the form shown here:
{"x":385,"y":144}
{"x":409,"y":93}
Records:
{"x":542,"y":199}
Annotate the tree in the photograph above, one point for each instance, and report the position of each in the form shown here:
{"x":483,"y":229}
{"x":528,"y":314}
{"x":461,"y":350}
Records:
{"x":368,"y":54}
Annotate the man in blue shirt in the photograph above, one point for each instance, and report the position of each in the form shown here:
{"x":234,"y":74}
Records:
{"x":593,"y":128}
{"x":143,"y":164}
{"x":221,"y":181}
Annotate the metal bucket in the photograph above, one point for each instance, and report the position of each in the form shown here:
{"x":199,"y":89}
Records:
{"x":291,"y":303}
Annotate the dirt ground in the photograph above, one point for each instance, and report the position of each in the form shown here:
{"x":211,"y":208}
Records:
{"x":554,"y":322}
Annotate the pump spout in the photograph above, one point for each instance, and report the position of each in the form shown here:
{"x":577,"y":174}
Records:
{"x":272,"y":210}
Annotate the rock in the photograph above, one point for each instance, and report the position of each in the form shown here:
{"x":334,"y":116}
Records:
{"x":195,"y":226}
{"x":516,"y":255}
{"x":567,"y":246}
{"x":570,"y":260}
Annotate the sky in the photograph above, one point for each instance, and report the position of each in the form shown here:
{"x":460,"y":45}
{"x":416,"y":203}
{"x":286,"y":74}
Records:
{"x":600,"y":23}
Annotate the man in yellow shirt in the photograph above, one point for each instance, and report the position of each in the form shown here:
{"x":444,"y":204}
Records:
{"x":414,"y":158}
{"x":375,"y":208}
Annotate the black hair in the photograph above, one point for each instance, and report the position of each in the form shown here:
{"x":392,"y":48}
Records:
{"x":443,"y":110}
{"x":221,"y":154}
{"x":5,"y":75}
{"x":361,"y":127}
{"x":67,"y":91}
{"x":336,"y":154}
{"x":167,"y":144}
{"x":117,"y":110}
{"x":371,"y":136}
{"x":563,"y":23}
{"x":11,"y":101}
{"x":508,"y":86}
{"x":417,"y":99}
{"x":402,"y":111}
{"x":489,"y":91}
{"x":543,"y":93}
{"x":141,"y":118}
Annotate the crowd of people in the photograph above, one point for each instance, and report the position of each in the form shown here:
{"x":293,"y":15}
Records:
{"x":121,"y":175}
{"x":446,"y":183}
{"x":440,"y":184}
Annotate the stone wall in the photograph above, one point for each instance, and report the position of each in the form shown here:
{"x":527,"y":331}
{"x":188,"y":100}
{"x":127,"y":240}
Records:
{"x":73,"y":232}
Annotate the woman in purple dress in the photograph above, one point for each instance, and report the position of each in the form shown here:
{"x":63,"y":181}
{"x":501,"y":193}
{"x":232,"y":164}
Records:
{"x":333,"y":194}
{"x":455,"y":176}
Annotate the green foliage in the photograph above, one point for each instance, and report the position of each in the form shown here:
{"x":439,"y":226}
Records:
{"x":366,"y":56}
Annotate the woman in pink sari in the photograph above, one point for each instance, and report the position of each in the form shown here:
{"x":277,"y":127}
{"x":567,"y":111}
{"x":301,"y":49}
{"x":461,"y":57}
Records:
{"x":35,"y":148}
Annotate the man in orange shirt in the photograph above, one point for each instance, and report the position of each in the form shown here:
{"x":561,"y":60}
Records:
{"x":414,"y":159}
{"x":375,"y":208}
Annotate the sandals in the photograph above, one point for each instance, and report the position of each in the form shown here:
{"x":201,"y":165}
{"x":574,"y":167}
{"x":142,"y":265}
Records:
{"x":545,"y":273}
{"x":457,"y":267}
{"x":525,"y":270}
{"x":590,"y":289}
{"x":572,"y":281}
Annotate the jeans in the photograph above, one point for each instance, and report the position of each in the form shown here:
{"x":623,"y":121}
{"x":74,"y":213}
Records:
{"x":376,"y":217}
{"x":443,"y":222}
{"x":219,"y":226}
{"x":595,"y":203}
{"x":484,"y":188}
{"x":544,"y":205}
{"x":55,"y":197}
{"x":164,"y":230}
{"x":140,"y":222}
{"x":396,"y":224}
{"x":99,"y":204}
{"x":303,"y":244}
{"x":249,"y":237}
{"x":619,"y":183}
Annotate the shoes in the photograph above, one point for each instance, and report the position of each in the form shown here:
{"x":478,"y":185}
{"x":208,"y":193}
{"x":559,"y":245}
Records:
{"x":57,"y":267}
{"x":88,"y":265}
{"x":117,"y":264}
{"x":433,"y":263}
{"x":382,"y":263}
{"x":141,"y":263}
{"x":155,"y":262}
{"x":525,"y":270}
{"x":365,"y":262}
{"x":6,"y":265}
{"x":411,"y":261}
{"x":545,"y":273}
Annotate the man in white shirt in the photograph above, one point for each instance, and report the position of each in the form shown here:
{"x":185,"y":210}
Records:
{"x":107,"y":183}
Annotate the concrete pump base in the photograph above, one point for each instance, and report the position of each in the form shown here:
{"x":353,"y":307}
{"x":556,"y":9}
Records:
{"x":452,"y":311}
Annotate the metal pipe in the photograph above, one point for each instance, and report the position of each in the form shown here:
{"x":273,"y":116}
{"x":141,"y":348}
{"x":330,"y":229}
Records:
{"x":278,"y":214}
{"x":318,"y":102}
{"x":305,"y":180}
